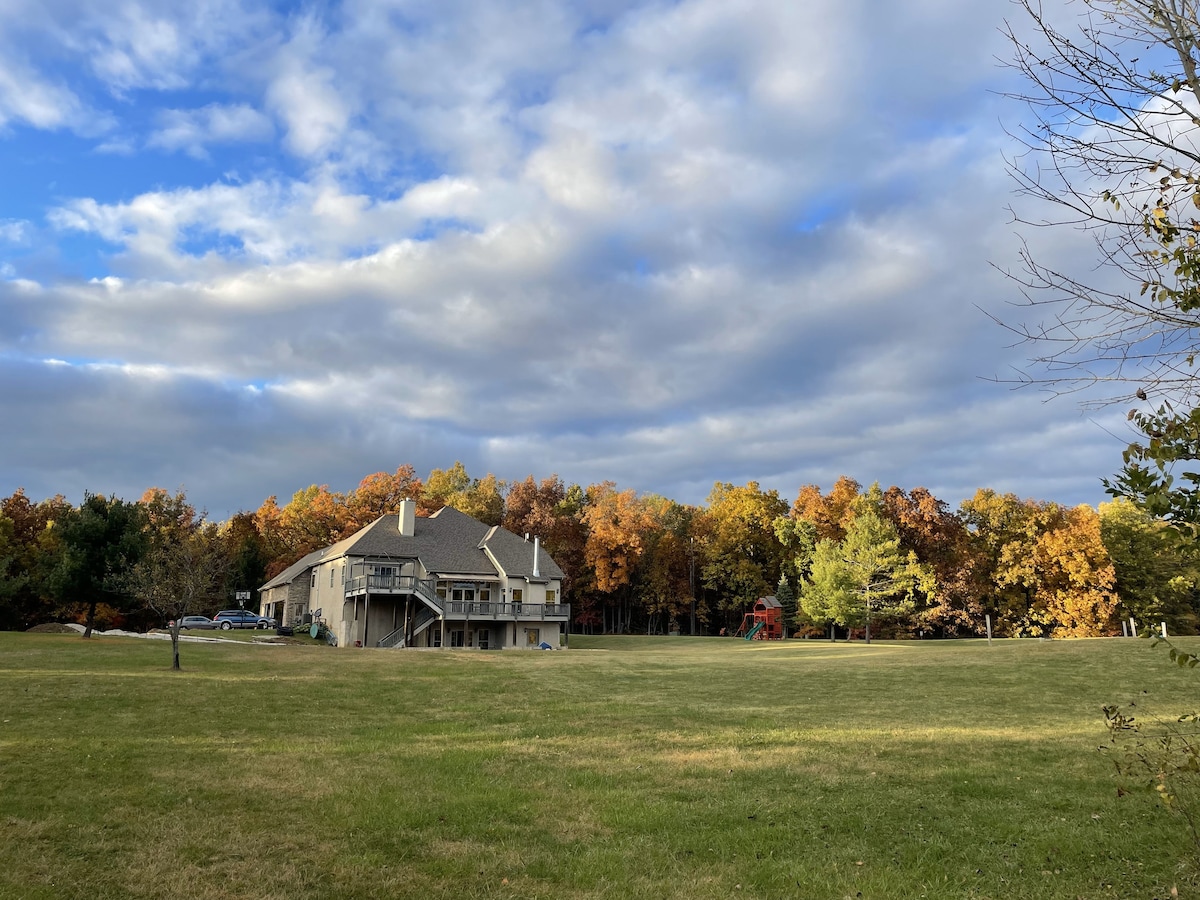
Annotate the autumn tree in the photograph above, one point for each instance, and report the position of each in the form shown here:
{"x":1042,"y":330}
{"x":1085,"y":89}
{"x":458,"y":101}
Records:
{"x":378,"y":495}
{"x":24,"y":598}
{"x":1072,"y":573}
{"x":441,"y":485}
{"x":184,"y":563}
{"x":1050,"y":573}
{"x":1157,"y":573}
{"x":1001,"y":526}
{"x":618,"y":524}
{"x":552,"y":511}
{"x":315,"y":517}
{"x":831,"y":513}
{"x":482,"y":499}
{"x":742,"y":555}
{"x":664,"y":578}
{"x":940,"y":539}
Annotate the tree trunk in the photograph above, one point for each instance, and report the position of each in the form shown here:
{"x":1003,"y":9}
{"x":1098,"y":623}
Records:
{"x":91,"y":619}
{"x":175,"y":645}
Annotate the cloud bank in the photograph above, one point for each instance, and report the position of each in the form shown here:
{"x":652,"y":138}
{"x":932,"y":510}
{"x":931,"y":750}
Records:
{"x":665,"y":244}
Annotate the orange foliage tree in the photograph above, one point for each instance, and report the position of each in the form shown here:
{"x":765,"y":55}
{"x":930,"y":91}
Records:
{"x":832,"y":513}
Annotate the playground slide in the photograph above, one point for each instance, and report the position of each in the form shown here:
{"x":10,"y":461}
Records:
{"x":755,"y":630}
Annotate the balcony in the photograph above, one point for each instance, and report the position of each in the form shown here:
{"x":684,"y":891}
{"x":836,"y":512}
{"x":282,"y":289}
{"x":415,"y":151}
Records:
{"x":507,"y":612}
{"x":389,"y":584}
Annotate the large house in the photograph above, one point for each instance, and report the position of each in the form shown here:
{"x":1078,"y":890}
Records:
{"x":443,"y":581}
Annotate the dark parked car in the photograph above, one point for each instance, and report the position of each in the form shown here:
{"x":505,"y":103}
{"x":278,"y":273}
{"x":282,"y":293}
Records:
{"x":241,"y":618}
{"x":198,"y":622}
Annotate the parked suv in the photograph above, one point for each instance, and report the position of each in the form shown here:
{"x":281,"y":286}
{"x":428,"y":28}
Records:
{"x":240,"y":618}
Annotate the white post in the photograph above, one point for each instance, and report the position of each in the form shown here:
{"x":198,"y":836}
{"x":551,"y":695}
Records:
{"x":1164,"y":629}
{"x":1124,"y":628}
{"x":1132,"y":627}
{"x":989,"y":628}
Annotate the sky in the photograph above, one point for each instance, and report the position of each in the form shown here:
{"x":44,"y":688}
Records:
{"x":250,"y":247}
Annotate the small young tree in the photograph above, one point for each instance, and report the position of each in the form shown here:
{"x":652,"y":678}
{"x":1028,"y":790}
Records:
{"x":184,"y":565}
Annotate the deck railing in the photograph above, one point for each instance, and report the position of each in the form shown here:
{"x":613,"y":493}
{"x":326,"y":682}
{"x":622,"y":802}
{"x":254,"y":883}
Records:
{"x":473,"y":609}
{"x":484,"y":609}
{"x":395,"y":584}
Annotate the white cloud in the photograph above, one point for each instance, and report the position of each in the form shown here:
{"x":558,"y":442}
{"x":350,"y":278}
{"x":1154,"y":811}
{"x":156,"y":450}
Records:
{"x":28,"y":98}
{"x":664,"y":243}
{"x":14,"y":231}
{"x":302,"y":94}
{"x":191,"y":130}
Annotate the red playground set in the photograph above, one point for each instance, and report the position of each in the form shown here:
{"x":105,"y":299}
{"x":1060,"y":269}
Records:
{"x":765,"y":623}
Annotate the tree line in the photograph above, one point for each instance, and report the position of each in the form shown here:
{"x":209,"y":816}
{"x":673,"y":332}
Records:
{"x":901,"y":563}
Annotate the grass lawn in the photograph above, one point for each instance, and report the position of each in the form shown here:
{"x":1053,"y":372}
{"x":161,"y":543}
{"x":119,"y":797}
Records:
{"x":625,"y":767}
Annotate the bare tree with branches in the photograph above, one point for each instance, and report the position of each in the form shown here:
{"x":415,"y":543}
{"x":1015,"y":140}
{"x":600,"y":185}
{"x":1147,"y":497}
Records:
{"x":1113,"y":150}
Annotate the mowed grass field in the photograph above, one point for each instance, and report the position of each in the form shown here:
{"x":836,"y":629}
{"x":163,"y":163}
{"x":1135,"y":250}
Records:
{"x":624,"y":767}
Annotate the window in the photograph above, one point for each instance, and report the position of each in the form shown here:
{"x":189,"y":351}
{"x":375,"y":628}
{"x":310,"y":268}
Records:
{"x":483,"y":638}
{"x":314,"y":579}
{"x":456,"y":638}
{"x":485,"y":595}
{"x":533,"y":637}
{"x":331,"y":576}
{"x":549,"y":596}
{"x":516,"y":595}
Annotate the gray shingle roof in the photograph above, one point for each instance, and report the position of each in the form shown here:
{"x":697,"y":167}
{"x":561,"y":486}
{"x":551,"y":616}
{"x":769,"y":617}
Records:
{"x":447,"y":543}
{"x":515,"y":555}
{"x":299,"y":567}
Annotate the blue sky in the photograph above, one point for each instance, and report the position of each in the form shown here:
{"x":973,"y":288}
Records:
{"x":245,"y":248}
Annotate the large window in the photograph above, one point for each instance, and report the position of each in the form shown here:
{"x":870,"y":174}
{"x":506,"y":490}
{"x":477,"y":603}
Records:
{"x":549,"y":596}
{"x":456,"y":637}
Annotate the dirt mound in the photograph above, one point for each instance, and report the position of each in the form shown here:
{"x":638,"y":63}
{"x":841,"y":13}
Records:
{"x":52,"y":628}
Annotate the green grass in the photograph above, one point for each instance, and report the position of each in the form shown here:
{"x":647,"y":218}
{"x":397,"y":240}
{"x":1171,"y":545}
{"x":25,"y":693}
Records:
{"x":626,"y":767}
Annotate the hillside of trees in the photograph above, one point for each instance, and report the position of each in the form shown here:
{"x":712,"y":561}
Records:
{"x":645,"y":563}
